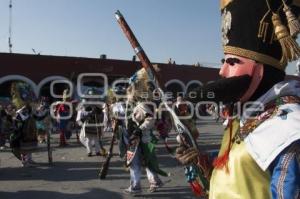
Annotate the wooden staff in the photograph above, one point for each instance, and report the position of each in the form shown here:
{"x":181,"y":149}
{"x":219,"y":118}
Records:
{"x":105,"y":166}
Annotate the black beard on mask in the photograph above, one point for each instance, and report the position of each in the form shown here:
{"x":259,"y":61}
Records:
{"x":271,"y":77}
{"x":227,"y":90}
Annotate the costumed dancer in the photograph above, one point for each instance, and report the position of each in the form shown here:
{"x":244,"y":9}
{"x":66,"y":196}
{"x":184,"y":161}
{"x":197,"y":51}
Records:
{"x":42,"y":111}
{"x":62,"y":110}
{"x":151,"y":73}
{"x":260,"y":151}
{"x":7,"y":127}
{"x":117,"y":110}
{"x":140,"y":148}
{"x":24,"y":136}
{"x":89,"y":117}
{"x":2,"y":129}
{"x":107,"y":118}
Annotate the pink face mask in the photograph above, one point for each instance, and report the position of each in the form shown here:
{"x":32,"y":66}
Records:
{"x":234,"y":65}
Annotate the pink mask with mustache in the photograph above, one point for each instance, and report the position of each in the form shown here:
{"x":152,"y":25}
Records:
{"x":237,"y":66}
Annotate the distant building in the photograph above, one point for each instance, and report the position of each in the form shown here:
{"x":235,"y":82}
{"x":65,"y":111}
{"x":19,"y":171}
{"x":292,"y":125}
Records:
{"x":40,"y":70}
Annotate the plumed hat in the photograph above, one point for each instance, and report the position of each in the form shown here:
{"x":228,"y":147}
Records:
{"x":261,"y":30}
{"x":140,"y":84}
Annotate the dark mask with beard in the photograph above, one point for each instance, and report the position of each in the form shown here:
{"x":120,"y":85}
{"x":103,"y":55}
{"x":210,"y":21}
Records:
{"x":230,"y":90}
{"x":227,"y":90}
{"x":271,"y":77}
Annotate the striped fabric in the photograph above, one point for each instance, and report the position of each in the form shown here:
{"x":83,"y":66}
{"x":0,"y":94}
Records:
{"x":285,"y":182}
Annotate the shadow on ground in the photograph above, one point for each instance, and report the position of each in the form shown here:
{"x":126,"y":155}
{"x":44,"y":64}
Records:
{"x":91,"y":194}
{"x":62,"y":171}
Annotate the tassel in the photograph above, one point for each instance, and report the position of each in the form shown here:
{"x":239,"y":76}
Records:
{"x":196,"y":188}
{"x":290,"y":49}
{"x":222,"y":161}
{"x":293,"y":22}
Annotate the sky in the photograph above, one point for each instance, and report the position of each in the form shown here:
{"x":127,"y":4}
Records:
{"x":186,"y":31}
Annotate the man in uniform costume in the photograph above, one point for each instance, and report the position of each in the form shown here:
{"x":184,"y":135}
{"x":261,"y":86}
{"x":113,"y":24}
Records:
{"x":62,"y":110}
{"x":90,"y":117}
{"x":23,"y":139}
{"x":259,"y":155}
{"x":142,"y":122}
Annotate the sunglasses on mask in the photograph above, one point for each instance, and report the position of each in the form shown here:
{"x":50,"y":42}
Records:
{"x":231,"y":61}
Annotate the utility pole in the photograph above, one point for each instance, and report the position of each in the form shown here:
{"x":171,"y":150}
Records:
{"x":10,"y":27}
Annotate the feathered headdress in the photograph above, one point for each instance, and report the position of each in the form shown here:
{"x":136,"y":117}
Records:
{"x":139,"y":85}
{"x":16,"y":96}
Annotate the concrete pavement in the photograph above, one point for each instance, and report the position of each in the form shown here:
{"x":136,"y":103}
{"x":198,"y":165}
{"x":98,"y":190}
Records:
{"x":74,"y":175}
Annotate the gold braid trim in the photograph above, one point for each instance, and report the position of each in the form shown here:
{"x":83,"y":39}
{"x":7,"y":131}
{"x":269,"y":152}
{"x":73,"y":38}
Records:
{"x":259,"y":57}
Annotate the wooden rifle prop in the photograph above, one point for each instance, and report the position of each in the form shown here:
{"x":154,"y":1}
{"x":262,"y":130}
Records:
{"x":199,"y":188}
{"x":105,"y":166}
{"x":153,"y":76}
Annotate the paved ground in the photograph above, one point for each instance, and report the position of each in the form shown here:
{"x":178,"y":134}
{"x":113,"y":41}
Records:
{"x":74,"y":175}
